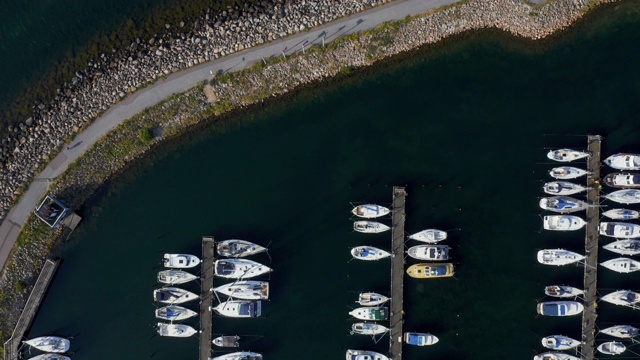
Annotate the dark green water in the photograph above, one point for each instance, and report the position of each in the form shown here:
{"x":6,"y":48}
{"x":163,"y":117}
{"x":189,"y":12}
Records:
{"x":464,"y":129}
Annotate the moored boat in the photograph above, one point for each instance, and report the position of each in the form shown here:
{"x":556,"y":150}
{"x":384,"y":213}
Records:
{"x":559,"y":342}
{"x":563,"y":222}
{"x":175,"y":330}
{"x":173,"y":295}
{"x":180,"y":261}
{"x":52,"y":344}
{"x":612,"y":348}
{"x":174,"y":313}
{"x":622,"y":298}
{"x":370,"y":227}
{"x":371,"y":299}
{"x":431,"y":236}
{"x":420,"y":339}
{"x":562,"y":204}
{"x":562,"y":291}
{"x":626,"y":196}
{"x":558,"y":257}
{"x":364,"y":355}
{"x":624,"y":161}
{"x":554,"y":356}
{"x":623,"y":180}
{"x":369,"y":253}
{"x":239,"y":308}
{"x":240,"y":355}
{"x":430,"y":270}
{"x":377,"y":313}
{"x":238,"y":248}
{"x":621,"y":331}
{"x":50,"y":357}
{"x":619,"y":230}
{"x":370,"y":211}
{"x":239,"y":268}
{"x":227,"y":341}
{"x":562,"y":188}
{"x":566,"y":155}
{"x":621,"y":214}
{"x":559,"y":308}
{"x":567,"y":172}
{"x":366,"y":328}
{"x":622,"y":265}
{"x":174,"y":276}
{"x":429,"y":252}
{"x":624,"y":247}
{"x":246,"y":289}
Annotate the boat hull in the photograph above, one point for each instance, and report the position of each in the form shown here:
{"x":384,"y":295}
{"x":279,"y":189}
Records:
{"x":246,"y":290}
{"x":364,"y":355}
{"x":562,"y":291}
{"x":370,"y":211}
{"x":562,"y":188}
{"x":622,"y":298}
{"x":558,"y":257}
{"x":559,"y":342}
{"x":240,"y":355}
{"x":369,"y":227}
{"x":52,"y":344}
{"x":369,"y":253}
{"x":239,"y":268}
{"x":624,"y":247}
{"x":429,"y":252}
{"x":566,"y":155}
{"x":622,"y":265}
{"x":621,"y":214}
{"x":563,"y":223}
{"x":623,"y":161}
{"x":560,"y":308}
{"x":235,"y":248}
{"x":430,"y":270}
{"x":371,"y":299}
{"x":368,"y":329}
{"x":378,"y":313}
{"x":420,"y":339}
{"x":175,"y":330}
{"x":554,"y":356}
{"x":174,"y":313}
{"x":619,"y":230}
{"x":567,"y":173}
{"x":174,"y":277}
{"x":562,"y":204}
{"x":612,"y":348}
{"x":623,"y":180}
{"x":430,"y":236}
{"x":173,"y":295}
{"x":227,"y":341}
{"x":239,"y":309}
{"x":180,"y":261}
{"x":621,"y":331}
{"x":626,"y":196}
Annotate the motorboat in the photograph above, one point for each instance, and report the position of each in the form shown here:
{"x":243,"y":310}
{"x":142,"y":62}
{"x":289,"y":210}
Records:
{"x":419,"y":339}
{"x":621,"y":214}
{"x":370,"y":211}
{"x":364,"y":355}
{"x":227,"y":341}
{"x":429,"y":252}
{"x":558,"y":257}
{"x":623,"y":180}
{"x":622,"y":265}
{"x":366,"y":328}
{"x":370,"y":227}
{"x":174,"y":276}
{"x":173,"y":295}
{"x":619,"y":229}
{"x":238,"y":248}
{"x":563,"y":222}
{"x":566,"y":155}
{"x":175,"y":330}
{"x":559,"y":342}
{"x":567,"y":172}
{"x":180,"y":261}
{"x":431,"y":236}
{"x":240,"y":355}
{"x":239,"y":308}
{"x":555,"y":356}
{"x":623,"y":161}
{"x":174,"y":313}
{"x":369,"y":253}
{"x":562,"y":188}
{"x":626,"y":196}
{"x":430,"y":270}
{"x":562,"y":291}
{"x":51,"y":344}
{"x":562,"y":204}
{"x":621,"y":331}
{"x":612,"y":348}
{"x":622,"y":298}
{"x":246,"y":289}
{"x":239,"y":268}
{"x":624,"y":247}
{"x":560,"y":308}
{"x":50,"y":357}
{"x":377,"y":313}
{"x":371,"y":299}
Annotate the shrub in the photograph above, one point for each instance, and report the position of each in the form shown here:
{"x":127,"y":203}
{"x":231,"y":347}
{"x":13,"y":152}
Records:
{"x":145,"y":135}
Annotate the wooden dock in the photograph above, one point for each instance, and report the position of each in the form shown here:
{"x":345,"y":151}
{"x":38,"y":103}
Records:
{"x":206,"y":296}
{"x":12,"y":346}
{"x":591,"y":249}
{"x":397,"y":273}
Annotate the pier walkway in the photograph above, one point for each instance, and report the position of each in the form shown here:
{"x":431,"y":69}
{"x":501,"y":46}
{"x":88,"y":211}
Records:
{"x":397,"y":273}
{"x":206,"y":296}
{"x":12,"y":346}
{"x":591,"y":249}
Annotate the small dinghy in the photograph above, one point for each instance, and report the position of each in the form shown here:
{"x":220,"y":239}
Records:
{"x":227,"y":341}
{"x":429,"y":252}
{"x":369,"y":253}
{"x":239,"y":308}
{"x":559,"y":342}
{"x":238,"y":248}
{"x":52,"y":344}
{"x":555,"y":356}
{"x":174,"y":313}
{"x":246,"y":289}
{"x":175,"y":330}
{"x":566,"y":155}
{"x":562,"y":204}
{"x":619,"y":230}
{"x":180,"y":261}
{"x":563,"y":188}
{"x":612,"y":348}
{"x":240,"y":355}
{"x":430,"y":270}
{"x":419,"y":339}
{"x":174,"y":276}
{"x":562,"y":291}
{"x":623,"y":180}
{"x":567,"y":172}
{"x":364,"y":355}
{"x":622,"y":298}
{"x":431,"y":236}
{"x":563,"y":222}
{"x":50,"y":357}
{"x":621,"y":331}
{"x":239,"y":268}
{"x":622,"y":161}
{"x":627,"y":196}
{"x":621,"y":214}
{"x":624,"y":247}
{"x":368,"y":329}
{"x":371,"y":299}
{"x":173,"y":295}
{"x":622,"y":265}
{"x":378,"y":313}
{"x":558,"y":257}
{"x":369,"y":227}
{"x":370,"y":211}
{"x":560,"y":308}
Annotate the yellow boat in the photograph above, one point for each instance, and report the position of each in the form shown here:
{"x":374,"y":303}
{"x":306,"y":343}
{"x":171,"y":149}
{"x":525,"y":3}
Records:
{"x":430,"y":270}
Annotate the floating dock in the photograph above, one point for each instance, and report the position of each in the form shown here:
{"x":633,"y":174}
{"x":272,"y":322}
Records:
{"x":12,"y":346}
{"x":397,"y":272}
{"x":589,"y":314}
{"x":206,"y":296}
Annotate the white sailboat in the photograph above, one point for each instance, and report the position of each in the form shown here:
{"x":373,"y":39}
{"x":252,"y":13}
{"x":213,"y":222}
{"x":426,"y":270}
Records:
{"x":567,"y":172}
{"x":431,"y":236}
{"x":555,"y":356}
{"x":622,"y":265}
{"x":364,"y":355}
{"x":624,"y":247}
{"x":246,"y":289}
{"x":50,"y":357}
{"x":238,"y":248}
{"x":174,"y":276}
{"x":563,"y":222}
{"x":51,"y":344}
{"x":227,"y":341}
{"x":371,"y":299}
{"x":566,"y":155}
{"x":240,"y":355}
{"x":370,"y":227}
{"x":369,"y":253}
{"x":364,"y":328}
{"x":623,"y":161}
{"x":558,"y":257}
{"x":174,"y":313}
{"x":239,"y":308}
{"x":370,"y":211}
{"x":620,"y":230}
{"x":612,"y":348}
{"x":559,"y":342}
{"x":560,"y":308}
{"x":180,"y":261}
{"x":562,"y":188}
{"x":562,"y":204}
{"x":173,"y":295}
{"x":622,"y":298}
{"x":378,"y":313}
{"x":621,"y":331}
{"x":626,"y":196}
{"x":562,"y":291}
{"x":175,"y":330}
{"x":621,"y":214}
{"x":429,"y":252}
{"x":239,"y":268}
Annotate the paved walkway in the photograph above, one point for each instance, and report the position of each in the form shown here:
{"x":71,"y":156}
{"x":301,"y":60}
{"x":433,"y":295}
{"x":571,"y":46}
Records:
{"x":184,"y":80}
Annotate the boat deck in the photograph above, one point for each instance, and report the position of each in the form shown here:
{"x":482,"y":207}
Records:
{"x":591,"y":249}
{"x":397,"y":273}
{"x":206,"y":296}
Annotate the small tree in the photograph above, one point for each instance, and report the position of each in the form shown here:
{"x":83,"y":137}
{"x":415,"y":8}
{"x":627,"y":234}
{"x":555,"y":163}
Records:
{"x":145,"y":135}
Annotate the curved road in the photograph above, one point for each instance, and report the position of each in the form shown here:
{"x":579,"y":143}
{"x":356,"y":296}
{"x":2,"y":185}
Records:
{"x":182,"y":81}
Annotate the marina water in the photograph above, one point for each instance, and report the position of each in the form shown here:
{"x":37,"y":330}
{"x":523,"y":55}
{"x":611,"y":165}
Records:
{"x":464,"y":126}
